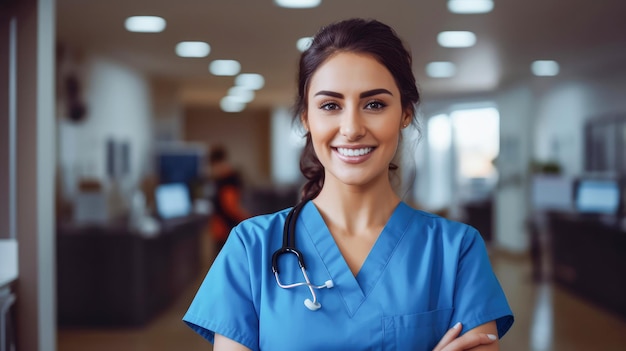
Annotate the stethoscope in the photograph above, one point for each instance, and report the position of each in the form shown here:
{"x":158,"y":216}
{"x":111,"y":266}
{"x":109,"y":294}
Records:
{"x":289,"y":246}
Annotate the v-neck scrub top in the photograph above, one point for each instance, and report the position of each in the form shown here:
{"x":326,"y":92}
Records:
{"x":423,"y":275}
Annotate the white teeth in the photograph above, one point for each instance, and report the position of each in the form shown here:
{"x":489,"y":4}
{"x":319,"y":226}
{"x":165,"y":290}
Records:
{"x":354,"y":152}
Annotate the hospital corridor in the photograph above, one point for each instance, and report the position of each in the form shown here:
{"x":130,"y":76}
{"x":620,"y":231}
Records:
{"x":135,"y":134}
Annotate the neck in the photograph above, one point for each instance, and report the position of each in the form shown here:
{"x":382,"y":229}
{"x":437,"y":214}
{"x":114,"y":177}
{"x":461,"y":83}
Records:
{"x":355,"y":210}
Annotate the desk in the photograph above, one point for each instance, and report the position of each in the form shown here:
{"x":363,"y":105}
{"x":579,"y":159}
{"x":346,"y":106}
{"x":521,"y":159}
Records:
{"x":113,"y":276}
{"x":589,"y":259}
{"x":479,"y":214}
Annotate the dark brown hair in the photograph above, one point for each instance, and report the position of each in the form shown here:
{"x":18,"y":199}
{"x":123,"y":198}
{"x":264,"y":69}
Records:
{"x":362,"y":36}
{"x":217,"y":154}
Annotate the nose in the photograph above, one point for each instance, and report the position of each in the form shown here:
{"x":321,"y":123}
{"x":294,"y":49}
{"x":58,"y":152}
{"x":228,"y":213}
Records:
{"x":352,"y":126}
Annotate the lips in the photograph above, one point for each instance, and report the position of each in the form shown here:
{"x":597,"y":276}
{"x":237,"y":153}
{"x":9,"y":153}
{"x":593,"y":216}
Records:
{"x":353,"y":155}
{"x":350,"y":152}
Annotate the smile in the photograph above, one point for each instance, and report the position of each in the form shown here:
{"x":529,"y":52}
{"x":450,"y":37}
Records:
{"x":354,"y":152}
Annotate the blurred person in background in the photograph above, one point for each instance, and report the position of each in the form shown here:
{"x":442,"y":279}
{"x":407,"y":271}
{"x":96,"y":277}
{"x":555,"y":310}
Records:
{"x":394,"y":277}
{"x":226,"y":186}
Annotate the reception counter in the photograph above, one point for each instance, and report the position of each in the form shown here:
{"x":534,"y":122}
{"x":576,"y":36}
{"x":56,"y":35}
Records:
{"x":589,"y":258}
{"x":8,"y":262}
{"x":8,"y":275}
{"x":113,"y":276}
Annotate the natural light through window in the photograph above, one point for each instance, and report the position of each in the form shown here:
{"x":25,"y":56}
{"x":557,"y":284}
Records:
{"x":477,"y":141}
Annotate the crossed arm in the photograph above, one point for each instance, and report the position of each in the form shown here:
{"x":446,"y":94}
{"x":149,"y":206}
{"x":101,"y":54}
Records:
{"x":481,"y":338}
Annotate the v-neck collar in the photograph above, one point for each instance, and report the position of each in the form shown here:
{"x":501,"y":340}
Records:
{"x":354,"y":290}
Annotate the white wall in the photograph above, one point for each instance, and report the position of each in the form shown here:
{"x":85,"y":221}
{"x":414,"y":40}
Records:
{"x":286,"y":147}
{"x":558,"y":127}
{"x":562,"y":111}
{"x":168,"y":112}
{"x":516,"y":106}
{"x":119,"y":106}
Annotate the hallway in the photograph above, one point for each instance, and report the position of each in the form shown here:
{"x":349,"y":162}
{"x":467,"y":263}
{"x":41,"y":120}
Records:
{"x":547,"y":318}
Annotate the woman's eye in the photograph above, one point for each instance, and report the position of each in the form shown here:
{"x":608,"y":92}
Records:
{"x":329,"y":106}
{"x":375,"y":105}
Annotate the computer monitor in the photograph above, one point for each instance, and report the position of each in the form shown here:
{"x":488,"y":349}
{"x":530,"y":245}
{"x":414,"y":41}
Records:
{"x":179,"y":167}
{"x":598,"y":196}
{"x":552,"y":192}
{"x":173,"y":200}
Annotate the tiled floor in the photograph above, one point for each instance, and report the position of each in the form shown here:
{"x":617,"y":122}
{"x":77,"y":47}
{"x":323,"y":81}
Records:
{"x":547,"y":319}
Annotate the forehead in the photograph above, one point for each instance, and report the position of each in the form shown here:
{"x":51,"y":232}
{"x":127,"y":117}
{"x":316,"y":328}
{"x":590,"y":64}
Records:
{"x":348,"y":72}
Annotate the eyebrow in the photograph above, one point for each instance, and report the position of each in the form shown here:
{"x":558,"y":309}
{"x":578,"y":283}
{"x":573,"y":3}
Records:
{"x":363,"y":95}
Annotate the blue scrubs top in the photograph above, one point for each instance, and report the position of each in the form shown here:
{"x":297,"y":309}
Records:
{"x":423,"y":275}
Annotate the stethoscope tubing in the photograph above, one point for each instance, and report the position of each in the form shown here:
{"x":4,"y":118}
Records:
{"x":289,"y":247}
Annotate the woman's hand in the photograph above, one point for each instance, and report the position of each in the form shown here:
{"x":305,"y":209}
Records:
{"x":451,"y":341}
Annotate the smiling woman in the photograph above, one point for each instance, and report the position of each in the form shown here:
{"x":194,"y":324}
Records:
{"x":406,"y":279}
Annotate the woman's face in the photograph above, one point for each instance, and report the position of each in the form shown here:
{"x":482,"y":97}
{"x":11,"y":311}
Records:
{"x":354,"y":115}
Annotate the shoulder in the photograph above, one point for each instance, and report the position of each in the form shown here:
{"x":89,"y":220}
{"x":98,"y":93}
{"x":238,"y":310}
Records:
{"x":261,"y":227}
{"x":441,"y":227}
{"x":436,"y":221}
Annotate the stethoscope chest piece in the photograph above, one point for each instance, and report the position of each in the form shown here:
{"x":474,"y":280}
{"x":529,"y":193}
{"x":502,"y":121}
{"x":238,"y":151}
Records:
{"x":313,"y":306}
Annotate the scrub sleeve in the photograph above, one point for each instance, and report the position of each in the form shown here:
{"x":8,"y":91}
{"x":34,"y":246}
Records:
{"x":478,"y":296}
{"x":235,"y":318}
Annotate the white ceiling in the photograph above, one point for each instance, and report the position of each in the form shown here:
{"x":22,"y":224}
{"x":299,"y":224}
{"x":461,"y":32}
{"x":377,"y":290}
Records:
{"x":584,"y":36}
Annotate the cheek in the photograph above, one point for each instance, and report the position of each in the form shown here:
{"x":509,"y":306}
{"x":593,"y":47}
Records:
{"x":321,"y":127}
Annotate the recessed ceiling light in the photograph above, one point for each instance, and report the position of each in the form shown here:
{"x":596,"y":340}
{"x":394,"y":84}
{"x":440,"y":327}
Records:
{"x":456,"y":39}
{"x":441,"y":69}
{"x":304,"y":43}
{"x":470,"y":6}
{"x":229,"y":104}
{"x":193,"y":49}
{"x":225,"y":67}
{"x":545,"y":68}
{"x":252,"y":81}
{"x":298,"y":4}
{"x":241,"y":94}
{"x":145,"y":24}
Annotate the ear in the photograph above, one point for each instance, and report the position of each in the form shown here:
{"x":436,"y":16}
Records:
{"x":304,"y":120}
{"x":407,"y":117}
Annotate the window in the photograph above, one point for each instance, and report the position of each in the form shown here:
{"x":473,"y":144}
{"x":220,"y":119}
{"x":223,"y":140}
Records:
{"x":462,"y":146}
{"x":476,"y":134}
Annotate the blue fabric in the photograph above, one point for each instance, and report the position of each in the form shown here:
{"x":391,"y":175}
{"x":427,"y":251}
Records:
{"x":423,"y":275}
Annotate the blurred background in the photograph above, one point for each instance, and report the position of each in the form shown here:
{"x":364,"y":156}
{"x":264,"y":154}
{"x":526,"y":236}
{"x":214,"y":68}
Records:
{"x":110,"y":109}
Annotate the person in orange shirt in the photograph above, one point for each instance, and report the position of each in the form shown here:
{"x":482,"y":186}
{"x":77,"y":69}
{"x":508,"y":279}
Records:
{"x":226,"y":196}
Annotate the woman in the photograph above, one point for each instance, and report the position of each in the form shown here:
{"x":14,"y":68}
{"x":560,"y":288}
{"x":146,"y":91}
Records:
{"x":396,"y":278}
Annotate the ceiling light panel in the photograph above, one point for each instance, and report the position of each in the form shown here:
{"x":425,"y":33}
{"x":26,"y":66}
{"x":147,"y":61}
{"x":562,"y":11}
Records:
{"x":252,"y":81}
{"x":241,"y":94}
{"x":545,"y":68}
{"x":145,"y":24}
{"x":441,"y":69}
{"x":225,"y":67}
{"x":193,"y":49}
{"x":304,"y":43}
{"x":298,"y":4}
{"x":470,"y":6}
{"x":456,"y":39}
{"x":229,"y":104}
